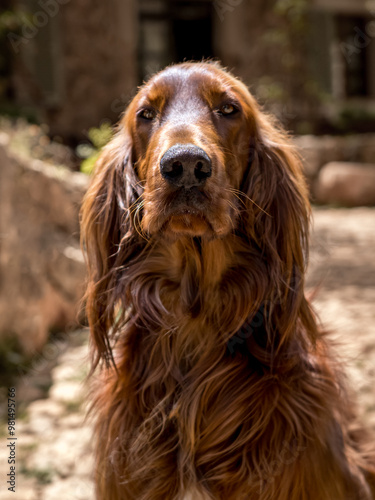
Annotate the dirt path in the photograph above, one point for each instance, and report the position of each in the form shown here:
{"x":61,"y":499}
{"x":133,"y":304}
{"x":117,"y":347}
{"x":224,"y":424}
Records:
{"x":342,"y":265}
{"x":54,"y":458}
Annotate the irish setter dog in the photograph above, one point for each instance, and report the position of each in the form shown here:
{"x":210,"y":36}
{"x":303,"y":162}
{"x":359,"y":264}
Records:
{"x":215,"y":380}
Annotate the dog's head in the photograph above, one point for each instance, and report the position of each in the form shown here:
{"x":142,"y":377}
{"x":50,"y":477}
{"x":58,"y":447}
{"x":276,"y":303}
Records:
{"x":193,"y":152}
{"x":190,"y":127}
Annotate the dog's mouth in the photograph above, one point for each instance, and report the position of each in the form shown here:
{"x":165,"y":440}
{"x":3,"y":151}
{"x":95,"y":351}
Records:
{"x":194,"y":212}
{"x":186,"y":213}
{"x":188,"y":221}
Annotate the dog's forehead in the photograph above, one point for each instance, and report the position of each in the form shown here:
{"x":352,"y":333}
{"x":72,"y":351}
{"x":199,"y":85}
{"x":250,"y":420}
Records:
{"x":189,"y":82}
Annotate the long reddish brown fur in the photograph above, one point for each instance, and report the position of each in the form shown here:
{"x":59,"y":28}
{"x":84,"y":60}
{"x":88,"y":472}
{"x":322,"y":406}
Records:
{"x":215,"y":380}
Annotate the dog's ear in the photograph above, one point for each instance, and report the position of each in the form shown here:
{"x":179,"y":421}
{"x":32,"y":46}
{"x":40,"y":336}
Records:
{"x":109,"y":234}
{"x":277,"y":216}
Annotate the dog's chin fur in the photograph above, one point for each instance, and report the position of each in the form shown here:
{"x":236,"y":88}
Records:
{"x":188,"y":222}
{"x":187,"y":225}
{"x":161,"y":216}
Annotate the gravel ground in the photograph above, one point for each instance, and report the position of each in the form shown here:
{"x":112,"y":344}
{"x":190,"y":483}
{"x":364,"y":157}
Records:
{"x":54,"y":459}
{"x":342,"y":276}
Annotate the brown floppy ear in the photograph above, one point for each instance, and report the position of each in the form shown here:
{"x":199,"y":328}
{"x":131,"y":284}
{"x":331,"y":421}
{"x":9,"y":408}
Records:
{"x":276,"y":219}
{"x":109,"y":235}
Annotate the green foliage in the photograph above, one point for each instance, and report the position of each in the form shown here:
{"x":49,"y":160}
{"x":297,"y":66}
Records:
{"x":357,"y":115}
{"x":287,"y":86}
{"x":43,"y":476}
{"x":88,"y":164}
{"x":11,"y":358}
{"x":294,"y":11}
{"x":268,"y":89}
{"x":99,"y":137}
{"x":10,"y":21}
{"x":354,"y":119}
{"x":12,"y":110}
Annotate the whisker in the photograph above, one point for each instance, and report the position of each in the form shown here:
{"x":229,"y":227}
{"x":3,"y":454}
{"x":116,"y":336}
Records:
{"x":135,"y":208}
{"x":137,"y":222}
{"x":232,"y":206}
{"x":232,"y":218}
{"x":236,"y":195}
{"x":241,"y":193}
{"x":136,"y":201}
{"x":140,"y":182}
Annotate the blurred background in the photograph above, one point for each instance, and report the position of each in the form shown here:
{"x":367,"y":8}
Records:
{"x":73,"y":65}
{"x":68,"y":69}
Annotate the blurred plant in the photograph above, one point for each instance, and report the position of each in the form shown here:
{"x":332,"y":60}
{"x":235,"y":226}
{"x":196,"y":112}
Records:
{"x":351,"y":120}
{"x":10,"y":357}
{"x":99,"y":137}
{"x":43,"y":476}
{"x":290,"y":91}
{"x":10,"y":20}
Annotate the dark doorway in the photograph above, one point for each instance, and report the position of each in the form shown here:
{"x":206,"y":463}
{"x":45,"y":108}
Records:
{"x":192,"y":30}
{"x":173,"y":31}
{"x":350,"y":31}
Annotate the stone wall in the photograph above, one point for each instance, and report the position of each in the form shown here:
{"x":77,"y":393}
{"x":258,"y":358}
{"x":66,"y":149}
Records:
{"x":318,"y":151}
{"x":42,"y":271}
{"x":79,"y":67}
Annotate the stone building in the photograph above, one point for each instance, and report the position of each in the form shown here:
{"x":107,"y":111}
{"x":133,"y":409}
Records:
{"x":79,"y":62}
{"x":343,"y":52}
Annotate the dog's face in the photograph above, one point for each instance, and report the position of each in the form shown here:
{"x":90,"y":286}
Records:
{"x":191,"y":127}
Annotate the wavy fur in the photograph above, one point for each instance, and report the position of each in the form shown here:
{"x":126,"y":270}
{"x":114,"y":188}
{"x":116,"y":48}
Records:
{"x":215,"y":380}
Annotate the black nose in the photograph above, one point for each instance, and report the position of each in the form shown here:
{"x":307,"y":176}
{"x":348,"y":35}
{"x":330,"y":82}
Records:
{"x":185,"y":165}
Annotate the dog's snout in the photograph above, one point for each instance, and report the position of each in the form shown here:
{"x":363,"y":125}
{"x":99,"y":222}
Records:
{"x":185,"y":165}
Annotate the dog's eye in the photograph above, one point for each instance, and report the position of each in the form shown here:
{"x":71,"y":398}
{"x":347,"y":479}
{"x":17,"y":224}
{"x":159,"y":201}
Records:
{"x":147,"y":114}
{"x":227,"y":109}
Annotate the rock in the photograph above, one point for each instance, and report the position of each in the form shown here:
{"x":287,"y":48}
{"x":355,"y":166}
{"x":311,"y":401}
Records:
{"x":64,"y":372}
{"x":41,"y":268}
{"x":78,"y":356}
{"x":45,"y":407}
{"x":346,"y":184}
{"x":367,"y":148}
{"x":75,"y":488}
{"x":74,"y":420}
{"x":42,"y":417}
{"x":67,"y":271}
{"x":67,"y":392}
{"x":310,"y":153}
{"x":316,"y":151}
{"x":27,"y":490}
{"x":62,"y":452}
